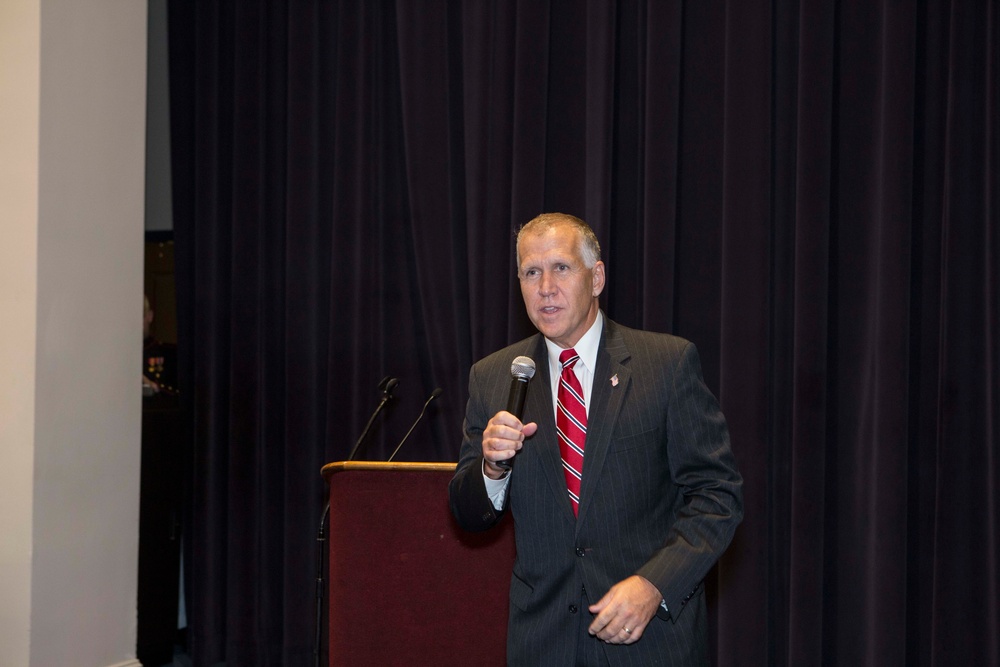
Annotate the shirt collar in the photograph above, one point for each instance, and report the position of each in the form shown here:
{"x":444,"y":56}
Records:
{"x":586,"y":347}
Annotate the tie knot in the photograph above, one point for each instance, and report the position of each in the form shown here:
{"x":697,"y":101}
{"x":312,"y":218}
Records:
{"x":568,"y":358}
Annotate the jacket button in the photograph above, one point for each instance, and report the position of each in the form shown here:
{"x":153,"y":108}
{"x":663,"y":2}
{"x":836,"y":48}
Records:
{"x":580,"y":552}
{"x":572,"y":609}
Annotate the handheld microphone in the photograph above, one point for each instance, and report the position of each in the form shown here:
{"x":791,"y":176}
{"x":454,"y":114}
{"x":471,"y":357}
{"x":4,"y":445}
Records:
{"x":434,"y":394}
{"x":387,"y":385}
{"x":521,"y":371}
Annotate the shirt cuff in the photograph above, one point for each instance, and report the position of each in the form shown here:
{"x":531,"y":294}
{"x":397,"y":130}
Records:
{"x":496,"y":489}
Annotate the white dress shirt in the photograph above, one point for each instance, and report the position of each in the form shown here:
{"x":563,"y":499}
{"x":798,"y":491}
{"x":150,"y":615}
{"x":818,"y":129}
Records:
{"x":586,"y":348}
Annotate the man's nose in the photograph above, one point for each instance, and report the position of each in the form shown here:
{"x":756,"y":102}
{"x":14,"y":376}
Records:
{"x":546,"y":284}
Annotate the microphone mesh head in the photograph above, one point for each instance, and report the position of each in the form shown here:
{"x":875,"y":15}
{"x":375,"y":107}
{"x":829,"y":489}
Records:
{"x":523,"y":368}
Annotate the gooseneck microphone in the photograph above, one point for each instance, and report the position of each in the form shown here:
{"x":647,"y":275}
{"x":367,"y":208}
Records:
{"x":386,"y":385}
{"x":434,"y":394}
{"x":521,"y":371}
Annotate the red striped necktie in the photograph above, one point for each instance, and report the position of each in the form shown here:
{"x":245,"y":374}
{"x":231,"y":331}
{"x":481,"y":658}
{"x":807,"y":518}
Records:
{"x":571,"y":425}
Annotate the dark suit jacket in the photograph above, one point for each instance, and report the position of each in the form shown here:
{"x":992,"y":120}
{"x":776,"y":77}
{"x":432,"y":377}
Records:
{"x":660,"y":497}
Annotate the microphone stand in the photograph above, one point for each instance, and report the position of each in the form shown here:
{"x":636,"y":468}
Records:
{"x":321,"y":541}
{"x":434,"y":394}
{"x":386,"y":385}
{"x":390,"y":384}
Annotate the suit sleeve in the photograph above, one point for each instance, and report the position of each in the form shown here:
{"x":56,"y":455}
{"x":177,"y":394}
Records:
{"x":704,"y":469}
{"x":470,"y":503}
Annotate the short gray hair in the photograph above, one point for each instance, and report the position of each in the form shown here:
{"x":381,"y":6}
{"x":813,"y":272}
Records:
{"x":590,"y":249}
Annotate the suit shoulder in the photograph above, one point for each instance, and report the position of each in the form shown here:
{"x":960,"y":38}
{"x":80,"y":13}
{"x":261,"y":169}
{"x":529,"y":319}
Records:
{"x":652,"y":343}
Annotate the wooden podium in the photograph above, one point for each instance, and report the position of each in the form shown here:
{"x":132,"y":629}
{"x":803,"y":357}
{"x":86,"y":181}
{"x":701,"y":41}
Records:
{"x":407,"y":586}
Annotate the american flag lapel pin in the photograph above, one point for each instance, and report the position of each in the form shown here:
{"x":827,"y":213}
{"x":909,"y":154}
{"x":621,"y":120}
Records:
{"x":614,"y":380}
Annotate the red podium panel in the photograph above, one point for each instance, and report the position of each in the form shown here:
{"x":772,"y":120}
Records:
{"x":407,"y":585}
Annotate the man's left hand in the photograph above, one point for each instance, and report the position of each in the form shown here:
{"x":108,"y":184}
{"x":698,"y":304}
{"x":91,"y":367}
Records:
{"x":624,"y":611}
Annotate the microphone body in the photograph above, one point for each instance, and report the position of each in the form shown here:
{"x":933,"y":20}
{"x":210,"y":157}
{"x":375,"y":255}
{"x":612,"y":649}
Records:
{"x":434,"y":394}
{"x":521,"y":371}
{"x":515,"y":399}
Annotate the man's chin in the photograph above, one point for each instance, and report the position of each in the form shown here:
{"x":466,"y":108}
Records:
{"x":557,"y":336}
{"x":547,"y":329}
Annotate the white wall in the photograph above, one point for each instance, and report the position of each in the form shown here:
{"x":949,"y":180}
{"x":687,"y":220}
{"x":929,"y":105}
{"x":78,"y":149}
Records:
{"x":19,"y":45}
{"x":72,"y":108}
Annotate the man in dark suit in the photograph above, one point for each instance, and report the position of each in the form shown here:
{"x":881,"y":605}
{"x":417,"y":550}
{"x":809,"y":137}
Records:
{"x":624,"y":491}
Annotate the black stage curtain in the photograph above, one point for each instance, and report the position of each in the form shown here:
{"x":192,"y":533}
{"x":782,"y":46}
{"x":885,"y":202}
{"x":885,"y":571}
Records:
{"x":806,"y":189}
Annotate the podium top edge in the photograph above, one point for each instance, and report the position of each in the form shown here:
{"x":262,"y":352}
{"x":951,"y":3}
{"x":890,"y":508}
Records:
{"x":343,"y":466}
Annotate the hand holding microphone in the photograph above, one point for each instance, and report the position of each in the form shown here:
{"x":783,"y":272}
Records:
{"x":504,"y":434}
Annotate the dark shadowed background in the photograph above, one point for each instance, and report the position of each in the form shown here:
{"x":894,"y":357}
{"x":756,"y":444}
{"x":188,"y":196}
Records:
{"x":808,"y":190}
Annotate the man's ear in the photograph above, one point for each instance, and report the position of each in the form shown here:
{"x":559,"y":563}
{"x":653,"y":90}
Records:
{"x":598,"y":272}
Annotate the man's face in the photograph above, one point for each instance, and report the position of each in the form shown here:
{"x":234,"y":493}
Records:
{"x":560,"y":292}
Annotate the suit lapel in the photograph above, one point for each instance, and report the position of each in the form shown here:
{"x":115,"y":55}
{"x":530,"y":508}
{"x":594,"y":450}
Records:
{"x":611,"y":383}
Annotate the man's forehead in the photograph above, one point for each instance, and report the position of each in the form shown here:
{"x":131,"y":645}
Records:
{"x":551,"y":256}
{"x":549,"y":241}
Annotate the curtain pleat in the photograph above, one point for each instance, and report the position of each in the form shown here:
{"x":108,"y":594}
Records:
{"x":805,"y":189}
